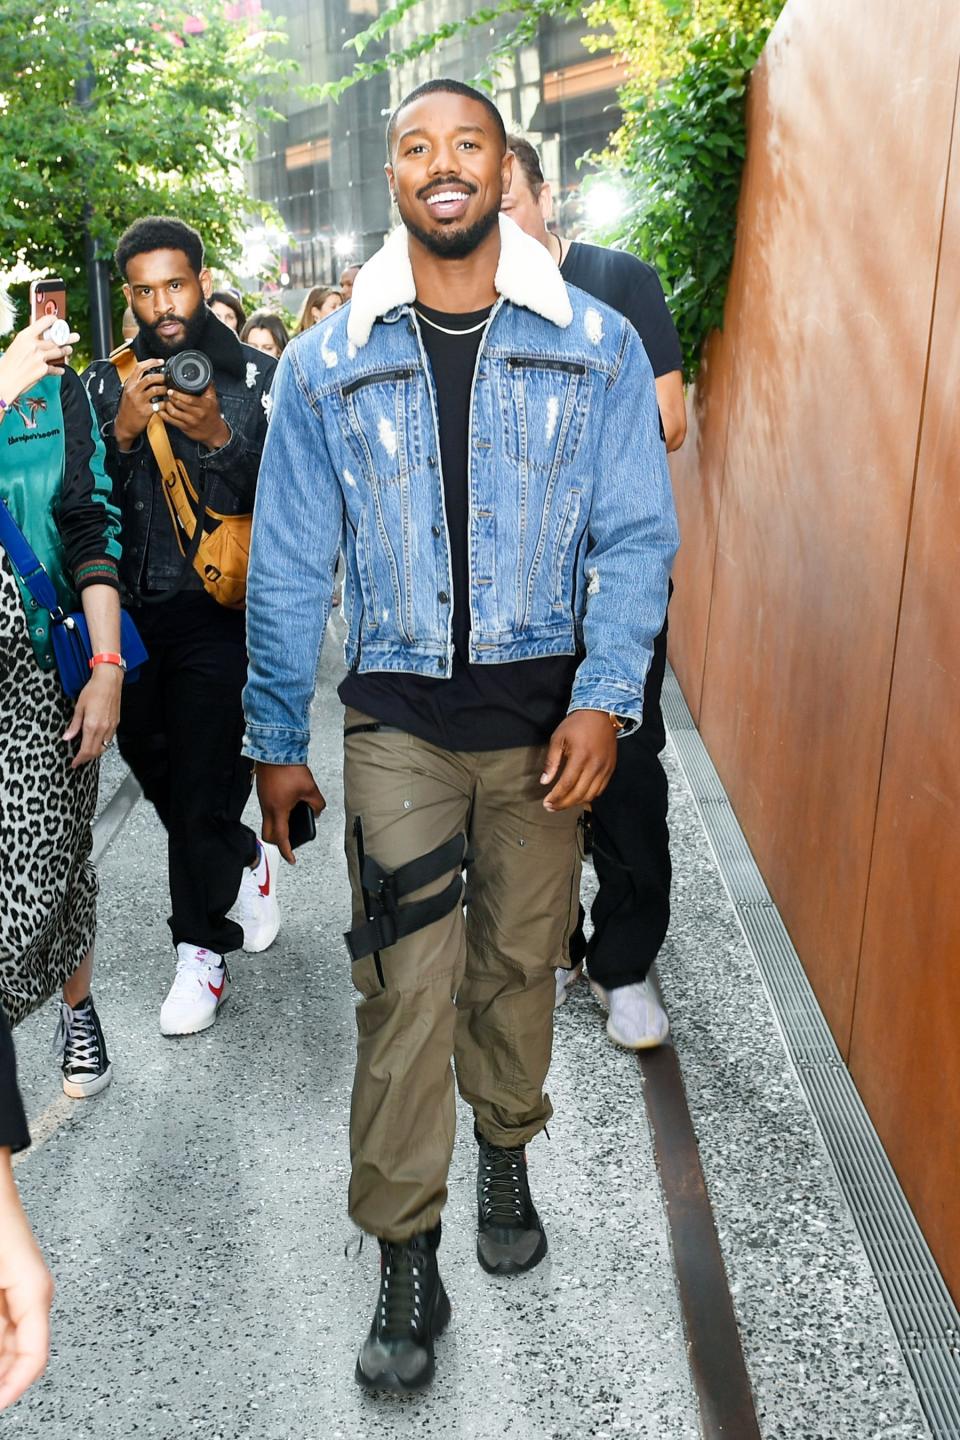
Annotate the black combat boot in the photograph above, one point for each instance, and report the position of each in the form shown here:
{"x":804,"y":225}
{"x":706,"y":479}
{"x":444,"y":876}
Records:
{"x":412,"y":1310}
{"x":510,"y":1237}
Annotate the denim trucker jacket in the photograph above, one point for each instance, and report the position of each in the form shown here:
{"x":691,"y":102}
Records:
{"x":572,"y":529}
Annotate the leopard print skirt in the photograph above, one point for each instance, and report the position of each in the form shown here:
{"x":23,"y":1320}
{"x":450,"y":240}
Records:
{"x":48,"y":887}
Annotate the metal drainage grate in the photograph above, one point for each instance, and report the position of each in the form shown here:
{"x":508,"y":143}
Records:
{"x":923,"y":1314}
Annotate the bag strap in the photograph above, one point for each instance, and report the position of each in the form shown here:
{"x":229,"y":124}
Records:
{"x":28,"y":567}
{"x":171,"y":483}
{"x":125,"y":362}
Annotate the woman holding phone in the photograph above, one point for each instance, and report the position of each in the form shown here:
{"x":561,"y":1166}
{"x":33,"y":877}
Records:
{"x":53,"y":484}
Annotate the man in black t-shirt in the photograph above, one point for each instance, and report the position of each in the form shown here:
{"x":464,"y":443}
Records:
{"x":631,"y":849}
{"x":614,"y":276}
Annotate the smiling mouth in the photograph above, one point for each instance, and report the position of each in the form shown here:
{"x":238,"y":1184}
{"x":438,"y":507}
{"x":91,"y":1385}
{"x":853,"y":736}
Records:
{"x":448,"y":204}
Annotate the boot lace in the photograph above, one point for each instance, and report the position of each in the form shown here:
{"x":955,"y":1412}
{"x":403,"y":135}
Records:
{"x":504,"y":1193}
{"x":402,"y":1283}
{"x":76,"y":1039}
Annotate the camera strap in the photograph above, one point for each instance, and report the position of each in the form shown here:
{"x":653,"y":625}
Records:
{"x":172,"y":485}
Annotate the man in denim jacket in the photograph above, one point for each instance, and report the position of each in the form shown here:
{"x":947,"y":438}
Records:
{"x":483,"y":442}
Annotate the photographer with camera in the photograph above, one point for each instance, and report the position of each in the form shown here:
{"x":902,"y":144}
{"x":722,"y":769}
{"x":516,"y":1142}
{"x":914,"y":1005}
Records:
{"x":183,"y":413}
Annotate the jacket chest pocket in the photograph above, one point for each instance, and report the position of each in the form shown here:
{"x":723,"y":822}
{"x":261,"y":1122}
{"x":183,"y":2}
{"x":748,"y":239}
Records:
{"x":544,"y":404}
{"x":233,"y":408}
{"x":379,"y":412}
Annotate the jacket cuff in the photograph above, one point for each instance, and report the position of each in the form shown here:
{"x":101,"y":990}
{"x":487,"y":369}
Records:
{"x":108,"y":436}
{"x":276,"y":745}
{"x":96,"y":572}
{"x":206,"y":454}
{"x":612,"y":698}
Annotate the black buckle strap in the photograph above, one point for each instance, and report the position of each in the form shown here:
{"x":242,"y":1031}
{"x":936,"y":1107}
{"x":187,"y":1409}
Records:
{"x":387,"y":920}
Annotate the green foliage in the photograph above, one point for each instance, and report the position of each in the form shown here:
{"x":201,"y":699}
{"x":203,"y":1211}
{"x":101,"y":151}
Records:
{"x":166,"y":128}
{"x":530,"y":13}
{"x":680,"y":159}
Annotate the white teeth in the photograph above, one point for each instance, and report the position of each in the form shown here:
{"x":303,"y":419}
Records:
{"x":445,"y":197}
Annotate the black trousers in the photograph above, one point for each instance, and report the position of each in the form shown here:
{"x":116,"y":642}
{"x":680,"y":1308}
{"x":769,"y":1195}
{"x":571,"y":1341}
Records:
{"x":631,"y":851}
{"x":181,"y":729}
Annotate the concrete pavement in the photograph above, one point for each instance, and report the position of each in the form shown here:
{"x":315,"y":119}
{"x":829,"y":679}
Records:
{"x":194,"y":1215}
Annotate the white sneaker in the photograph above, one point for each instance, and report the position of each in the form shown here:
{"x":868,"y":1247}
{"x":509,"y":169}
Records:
{"x":199,"y":988}
{"x":565,"y":978}
{"x":257,"y":908}
{"x":637,"y":1020}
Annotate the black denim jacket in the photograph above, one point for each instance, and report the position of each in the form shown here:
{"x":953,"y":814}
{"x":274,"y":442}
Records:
{"x":242,"y":376}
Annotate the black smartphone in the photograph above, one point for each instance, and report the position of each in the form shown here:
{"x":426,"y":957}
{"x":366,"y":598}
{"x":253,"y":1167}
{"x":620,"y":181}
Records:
{"x":301,"y":825}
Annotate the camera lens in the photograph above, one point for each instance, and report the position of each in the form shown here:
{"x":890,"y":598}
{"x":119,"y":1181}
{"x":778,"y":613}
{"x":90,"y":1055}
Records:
{"x":190,"y":371}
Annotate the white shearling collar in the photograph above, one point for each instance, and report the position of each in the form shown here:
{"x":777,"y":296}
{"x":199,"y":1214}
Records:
{"x":526,"y":275}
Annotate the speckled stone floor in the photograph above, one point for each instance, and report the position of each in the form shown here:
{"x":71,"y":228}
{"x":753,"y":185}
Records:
{"x":194,"y":1215}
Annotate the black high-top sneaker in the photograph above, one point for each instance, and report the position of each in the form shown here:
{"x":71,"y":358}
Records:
{"x":86,"y":1065}
{"x":412,"y":1310}
{"x":510,"y":1237}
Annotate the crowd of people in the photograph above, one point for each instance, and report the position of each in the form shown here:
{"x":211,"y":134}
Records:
{"x":474,"y":426}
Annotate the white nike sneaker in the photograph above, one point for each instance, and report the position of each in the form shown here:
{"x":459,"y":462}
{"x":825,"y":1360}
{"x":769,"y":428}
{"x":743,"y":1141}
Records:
{"x":199,"y":988}
{"x":564,"y":979}
{"x":636,"y":1020}
{"x":257,"y":908}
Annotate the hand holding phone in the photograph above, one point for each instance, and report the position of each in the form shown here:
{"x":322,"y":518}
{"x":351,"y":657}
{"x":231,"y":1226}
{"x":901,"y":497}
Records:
{"x":28,"y":358}
{"x":48,"y":301}
{"x":302,"y":825}
{"x":282,"y":790}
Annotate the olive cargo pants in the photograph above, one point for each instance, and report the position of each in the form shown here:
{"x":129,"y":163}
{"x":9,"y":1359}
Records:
{"x":478,"y":988}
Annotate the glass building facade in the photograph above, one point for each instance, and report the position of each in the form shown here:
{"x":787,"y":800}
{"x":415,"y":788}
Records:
{"x":321,"y":165}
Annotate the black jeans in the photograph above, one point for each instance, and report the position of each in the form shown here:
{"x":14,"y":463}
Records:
{"x":181,"y":729}
{"x":631,"y":851}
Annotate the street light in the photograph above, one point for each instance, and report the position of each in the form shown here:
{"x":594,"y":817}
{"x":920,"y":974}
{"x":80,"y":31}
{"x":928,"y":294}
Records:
{"x":344,"y":245}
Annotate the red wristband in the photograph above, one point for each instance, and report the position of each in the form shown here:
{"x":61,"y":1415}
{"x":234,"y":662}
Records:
{"x":108,"y":658}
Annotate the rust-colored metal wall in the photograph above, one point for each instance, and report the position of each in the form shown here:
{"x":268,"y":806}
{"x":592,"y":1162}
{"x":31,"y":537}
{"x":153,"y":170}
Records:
{"x":796,"y":500}
{"x":905,"y":1054}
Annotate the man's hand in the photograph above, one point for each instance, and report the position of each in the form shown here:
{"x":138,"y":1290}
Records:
{"x":279,"y":787}
{"x":198,"y":416}
{"x":26,"y":1292}
{"x":583,"y":753}
{"x":144,"y":387}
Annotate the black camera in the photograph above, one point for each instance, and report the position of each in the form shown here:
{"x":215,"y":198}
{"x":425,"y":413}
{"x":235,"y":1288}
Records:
{"x":190,"y":371}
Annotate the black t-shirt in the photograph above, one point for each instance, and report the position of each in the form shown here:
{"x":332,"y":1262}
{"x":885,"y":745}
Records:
{"x":481,"y":707}
{"x":632,"y":287}
{"x":13,"y":1122}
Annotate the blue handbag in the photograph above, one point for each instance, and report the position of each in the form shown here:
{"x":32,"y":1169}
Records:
{"x":71,"y":637}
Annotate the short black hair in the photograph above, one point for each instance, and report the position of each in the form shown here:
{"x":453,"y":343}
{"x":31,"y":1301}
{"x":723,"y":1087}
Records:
{"x":529,"y":162}
{"x":158,"y":232}
{"x":446,"y":87}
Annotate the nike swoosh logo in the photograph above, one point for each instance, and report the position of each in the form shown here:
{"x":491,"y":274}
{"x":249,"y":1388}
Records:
{"x":214,"y":990}
{"x":265,"y":888}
